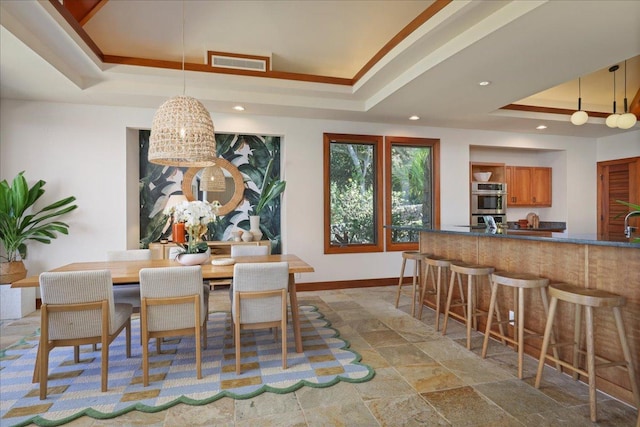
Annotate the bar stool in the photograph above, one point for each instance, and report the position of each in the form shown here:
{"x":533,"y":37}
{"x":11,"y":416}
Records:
{"x":589,"y":299}
{"x":519,"y":282}
{"x":470,"y":314}
{"x":417,"y":257}
{"x":439,"y":264}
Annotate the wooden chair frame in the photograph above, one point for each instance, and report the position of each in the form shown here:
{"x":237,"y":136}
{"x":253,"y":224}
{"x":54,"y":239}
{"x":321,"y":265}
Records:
{"x":199,"y":331}
{"x":41,"y":369}
{"x":282,"y":323}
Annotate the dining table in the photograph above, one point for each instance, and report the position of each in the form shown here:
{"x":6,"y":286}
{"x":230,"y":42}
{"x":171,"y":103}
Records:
{"x":128,"y":272}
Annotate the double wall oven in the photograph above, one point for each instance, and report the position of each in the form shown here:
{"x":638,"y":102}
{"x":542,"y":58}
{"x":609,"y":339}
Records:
{"x":488,"y":199}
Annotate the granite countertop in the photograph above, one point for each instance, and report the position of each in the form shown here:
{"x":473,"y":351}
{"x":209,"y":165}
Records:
{"x":561,"y":237}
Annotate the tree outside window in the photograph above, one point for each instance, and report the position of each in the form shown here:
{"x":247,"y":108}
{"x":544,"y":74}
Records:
{"x":412,"y":181}
{"x":355,"y":197}
{"x":353,"y":180}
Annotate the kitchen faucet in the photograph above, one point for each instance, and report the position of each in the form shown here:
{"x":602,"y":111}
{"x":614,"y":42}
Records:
{"x":628,"y":230}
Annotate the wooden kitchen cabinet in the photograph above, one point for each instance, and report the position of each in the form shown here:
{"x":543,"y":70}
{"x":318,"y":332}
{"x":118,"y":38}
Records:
{"x":496,"y":169}
{"x":528,"y":186}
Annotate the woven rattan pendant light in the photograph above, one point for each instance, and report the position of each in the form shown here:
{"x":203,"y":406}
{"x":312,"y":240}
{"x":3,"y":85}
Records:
{"x":212,"y":179}
{"x":182,"y":132}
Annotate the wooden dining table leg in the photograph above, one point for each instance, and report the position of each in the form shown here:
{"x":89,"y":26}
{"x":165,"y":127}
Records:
{"x":295,"y":316}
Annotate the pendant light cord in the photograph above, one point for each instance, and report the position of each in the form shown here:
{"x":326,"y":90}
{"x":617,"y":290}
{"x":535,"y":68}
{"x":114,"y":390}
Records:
{"x":184,"y":84}
{"x":625,"y":86}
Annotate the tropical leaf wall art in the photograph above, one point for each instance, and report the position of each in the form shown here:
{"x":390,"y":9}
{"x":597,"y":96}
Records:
{"x":257,"y":158}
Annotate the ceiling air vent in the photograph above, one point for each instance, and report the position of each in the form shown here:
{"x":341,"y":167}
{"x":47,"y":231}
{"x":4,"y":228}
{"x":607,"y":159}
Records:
{"x":238,"y":61}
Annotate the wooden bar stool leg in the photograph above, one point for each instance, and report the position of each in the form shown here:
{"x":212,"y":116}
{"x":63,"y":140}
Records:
{"x":470,"y":308}
{"x":577,"y":340}
{"x":520,"y":317}
{"x":499,"y":318}
{"x":545,"y":340}
{"x":462,"y":295}
{"x":554,"y":349}
{"x":438,"y":296}
{"x":423,"y":291}
{"x":617,"y":314}
{"x":448,"y":306}
{"x":404,"y":262}
{"x":414,"y":295}
{"x":591,"y":362}
{"x":492,"y":305}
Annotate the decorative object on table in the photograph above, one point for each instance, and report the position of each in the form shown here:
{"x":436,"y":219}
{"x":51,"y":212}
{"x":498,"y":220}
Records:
{"x":223,"y":261}
{"x":254,"y":221}
{"x":178,"y":232}
{"x":326,"y":362}
{"x":193,"y":259}
{"x":482,"y":176}
{"x":247,"y":236}
{"x":237,"y":235}
{"x":195,"y":216}
{"x":19,"y":224}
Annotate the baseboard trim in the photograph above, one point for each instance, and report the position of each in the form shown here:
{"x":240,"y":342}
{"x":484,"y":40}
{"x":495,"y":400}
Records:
{"x":347,"y":284}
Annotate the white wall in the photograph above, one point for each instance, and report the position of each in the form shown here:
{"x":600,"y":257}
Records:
{"x":619,"y":147}
{"x":83,"y":150}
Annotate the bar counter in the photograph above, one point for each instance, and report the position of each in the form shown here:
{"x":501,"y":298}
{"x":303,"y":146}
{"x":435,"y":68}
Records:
{"x":580,"y":260}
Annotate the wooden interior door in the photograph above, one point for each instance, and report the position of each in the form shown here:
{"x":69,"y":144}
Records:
{"x":617,"y":180}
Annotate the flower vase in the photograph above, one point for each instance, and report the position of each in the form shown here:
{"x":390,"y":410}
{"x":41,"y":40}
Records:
{"x":247,"y":236}
{"x":193,"y":259}
{"x":254,"y":222}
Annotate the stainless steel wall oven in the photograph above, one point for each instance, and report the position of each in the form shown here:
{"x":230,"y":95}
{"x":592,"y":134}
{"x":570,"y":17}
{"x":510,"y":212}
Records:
{"x":488,"y":198}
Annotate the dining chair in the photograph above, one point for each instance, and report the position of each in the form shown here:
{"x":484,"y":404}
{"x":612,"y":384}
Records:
{"x":249,"y":250}
{"x":129,"y":294}
{"x":260,"y":301}
{"x":78,"y":308}
{"x":173,"y":305}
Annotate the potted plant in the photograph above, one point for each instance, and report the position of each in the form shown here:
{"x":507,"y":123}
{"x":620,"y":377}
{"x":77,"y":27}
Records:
{"x":271,"y":189}
{"x":20,"y":224}
{"x":196,"y":216}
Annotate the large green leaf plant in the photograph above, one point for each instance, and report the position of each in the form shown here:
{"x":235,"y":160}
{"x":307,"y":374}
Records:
{"x":20,"y":224}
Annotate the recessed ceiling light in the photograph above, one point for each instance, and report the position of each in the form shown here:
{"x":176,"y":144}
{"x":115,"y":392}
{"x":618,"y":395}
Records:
{"x":484,"y":83}
{"x":414,"y":118}
{"x":541,"y":127}
{"x":238,"y":108}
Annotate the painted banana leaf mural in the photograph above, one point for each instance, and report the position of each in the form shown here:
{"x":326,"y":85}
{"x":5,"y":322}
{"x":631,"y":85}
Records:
{"x":258,"y":160}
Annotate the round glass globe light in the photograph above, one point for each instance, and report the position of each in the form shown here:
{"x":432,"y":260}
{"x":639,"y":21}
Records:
{"x":612,"y":120}
{"x":579,"y":118}
{"x":627,"y":121}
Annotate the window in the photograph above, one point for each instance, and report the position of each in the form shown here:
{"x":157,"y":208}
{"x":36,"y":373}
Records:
{"x":353,"y":184}
{"x":354,"y":195}
{"x":411,"y":188}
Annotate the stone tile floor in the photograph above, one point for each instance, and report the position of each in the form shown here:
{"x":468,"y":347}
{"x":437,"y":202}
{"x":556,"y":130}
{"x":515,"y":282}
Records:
{"x":422,"y":378}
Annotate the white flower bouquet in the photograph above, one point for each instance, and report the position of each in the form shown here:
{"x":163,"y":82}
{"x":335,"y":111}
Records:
{"x":195,"y":215}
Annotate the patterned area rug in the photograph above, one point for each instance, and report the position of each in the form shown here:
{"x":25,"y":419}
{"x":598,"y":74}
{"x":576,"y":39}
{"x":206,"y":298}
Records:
{"x":74,"y":389}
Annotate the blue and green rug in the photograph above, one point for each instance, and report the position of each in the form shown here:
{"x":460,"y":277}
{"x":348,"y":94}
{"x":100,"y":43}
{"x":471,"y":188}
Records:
{"x":74,"y":389}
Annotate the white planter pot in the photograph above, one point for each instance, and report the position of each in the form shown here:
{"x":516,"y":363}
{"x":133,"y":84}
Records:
{"x":193,"y":259}
{"x":16,"y":303}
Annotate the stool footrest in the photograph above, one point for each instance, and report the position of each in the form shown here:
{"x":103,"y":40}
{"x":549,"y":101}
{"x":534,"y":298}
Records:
{"x":611,"y":364}
{"x":567,"y":365}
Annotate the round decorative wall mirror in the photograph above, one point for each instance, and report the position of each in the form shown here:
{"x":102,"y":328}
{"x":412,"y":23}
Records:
{"x":229,"y":199}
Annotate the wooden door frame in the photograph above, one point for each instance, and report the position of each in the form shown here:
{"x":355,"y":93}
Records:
{"x":602,"y":180}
